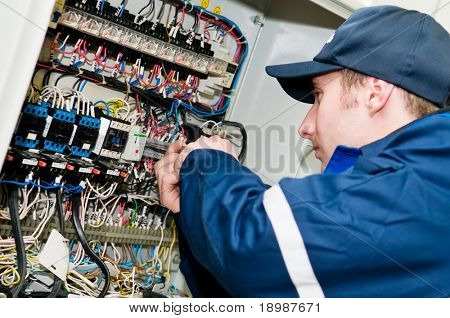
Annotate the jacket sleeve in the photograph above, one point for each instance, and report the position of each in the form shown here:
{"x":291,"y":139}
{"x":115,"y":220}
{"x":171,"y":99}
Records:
{"x":223,"y":220}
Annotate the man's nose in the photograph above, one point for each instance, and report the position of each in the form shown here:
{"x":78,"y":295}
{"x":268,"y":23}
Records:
{"x":308,"y":127}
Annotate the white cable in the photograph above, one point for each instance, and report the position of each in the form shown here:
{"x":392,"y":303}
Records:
{"x":64,"y":42}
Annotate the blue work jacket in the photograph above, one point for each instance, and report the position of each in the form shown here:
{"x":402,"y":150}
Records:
{"x":375,"y":224}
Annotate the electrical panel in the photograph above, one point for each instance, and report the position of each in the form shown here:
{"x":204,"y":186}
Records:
{"x":113,"y":88}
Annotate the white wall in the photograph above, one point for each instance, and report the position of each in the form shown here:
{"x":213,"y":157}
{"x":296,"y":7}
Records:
{"x":293,"y":31}
{"x":439,"y":9}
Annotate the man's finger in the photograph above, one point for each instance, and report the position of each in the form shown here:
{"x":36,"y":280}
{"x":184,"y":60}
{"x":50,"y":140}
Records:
{"x":167,"y":160}
{"x":163,"y":171}
{"x":183,"y":154}
{"x":176,"y":147}
{"x":169,"y":180}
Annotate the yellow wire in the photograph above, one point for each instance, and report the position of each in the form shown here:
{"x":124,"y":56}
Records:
{"x":174,"y":233}
{"x":10,"y":269}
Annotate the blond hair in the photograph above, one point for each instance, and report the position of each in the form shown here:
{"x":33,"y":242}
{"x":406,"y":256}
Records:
{"x":416,"y":105}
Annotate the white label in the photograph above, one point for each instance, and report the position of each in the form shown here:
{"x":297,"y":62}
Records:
{"x":55,"y":255}
{"x":86,"y":170}
{"x":114,"y":172}
{"x":48,"y":123}
{"x":74,"y":131}
{"x":110,"y":154}
{"x":86,"y":146}
{"x":30,"y":162}
{"x":104,"y":126}
{"x":59,"y":165}
{"x":120,"y":126}
{"x":31,"y":136}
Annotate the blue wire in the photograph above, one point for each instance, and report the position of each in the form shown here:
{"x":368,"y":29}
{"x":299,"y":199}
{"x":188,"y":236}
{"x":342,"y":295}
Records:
{"x":121,"y":10}
{"x":83,"y":85}
{"x":189,"y":107}
{"x":140,"y":254}
{"x":85,"y":81}
{"x":102,"y":6}
{"x":104,"y":103}
{"x":201,"y":113}
{"x":77,"y":189}
{"x":172,"y":137}
{"x":77,"y":63}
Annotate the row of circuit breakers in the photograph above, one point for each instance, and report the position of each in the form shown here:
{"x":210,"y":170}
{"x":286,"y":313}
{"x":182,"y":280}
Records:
{"x":59,"y":133}
{"x":98,"y":143}
{"x":189,"y":51}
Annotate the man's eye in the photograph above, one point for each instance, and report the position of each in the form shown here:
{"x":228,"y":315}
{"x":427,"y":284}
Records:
{"x":317,"y":96}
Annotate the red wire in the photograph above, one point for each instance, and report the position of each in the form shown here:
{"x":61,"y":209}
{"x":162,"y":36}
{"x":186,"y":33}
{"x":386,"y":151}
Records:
{"x":105,"y":64}
{"x":181,"y":19}
{"x":64,"y":71}
{"x":62,"y":52}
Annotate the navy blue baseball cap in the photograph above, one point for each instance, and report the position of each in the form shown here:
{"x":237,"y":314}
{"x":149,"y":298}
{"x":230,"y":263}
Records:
{"x":406,"y":48}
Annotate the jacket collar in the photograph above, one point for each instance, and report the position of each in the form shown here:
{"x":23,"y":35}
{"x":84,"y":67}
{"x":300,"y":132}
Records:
{"x":344,"y":157}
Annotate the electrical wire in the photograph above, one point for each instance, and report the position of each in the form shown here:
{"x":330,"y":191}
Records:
{"x":57,"y":283}
{"x":60,"y":77}
{"x":13,"y":200}
{"x":241,"y":127}
{"x":85,"y":244}
{"x":150,"y":4}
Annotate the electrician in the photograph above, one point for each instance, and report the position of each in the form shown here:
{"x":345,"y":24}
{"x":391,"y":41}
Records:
{"x":376,"y":222}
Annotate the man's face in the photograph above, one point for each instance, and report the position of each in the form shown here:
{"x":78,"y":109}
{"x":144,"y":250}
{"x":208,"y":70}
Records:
{"x":331,"y":121}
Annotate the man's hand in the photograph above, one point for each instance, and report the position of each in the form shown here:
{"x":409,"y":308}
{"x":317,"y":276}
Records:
{"x":167,"y":170}
{"x":168,"y":179}
{"x":214,"y":143}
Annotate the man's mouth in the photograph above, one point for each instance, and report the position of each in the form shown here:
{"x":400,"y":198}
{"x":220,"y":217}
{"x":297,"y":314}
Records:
{"x":316,"y":151}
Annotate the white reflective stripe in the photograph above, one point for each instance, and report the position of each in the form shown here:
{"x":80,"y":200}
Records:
{"x":291,"y":244}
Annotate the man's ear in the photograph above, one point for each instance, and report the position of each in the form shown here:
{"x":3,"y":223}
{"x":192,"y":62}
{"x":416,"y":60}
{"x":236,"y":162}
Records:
{"x":378,"y":94}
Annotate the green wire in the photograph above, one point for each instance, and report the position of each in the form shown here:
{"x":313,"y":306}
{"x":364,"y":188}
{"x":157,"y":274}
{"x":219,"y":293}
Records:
{"x":136,"y":209}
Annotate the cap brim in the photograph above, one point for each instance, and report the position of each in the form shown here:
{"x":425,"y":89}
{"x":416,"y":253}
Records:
{"x":296,"y":79}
